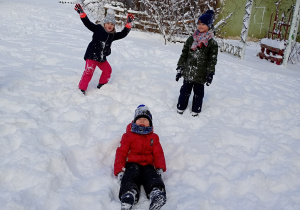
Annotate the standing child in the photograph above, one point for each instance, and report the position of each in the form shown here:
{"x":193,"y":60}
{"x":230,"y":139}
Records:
{"x":197,"y":64}
{"x":99,"y":47}
{"x":140,"y":161}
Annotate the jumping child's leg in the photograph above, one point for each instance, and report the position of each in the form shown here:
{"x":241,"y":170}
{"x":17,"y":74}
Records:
{"x":87,"y":75}
{"x":106,"y":72}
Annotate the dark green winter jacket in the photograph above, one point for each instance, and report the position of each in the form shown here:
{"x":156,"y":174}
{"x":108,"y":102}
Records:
{"x":197,"y":64}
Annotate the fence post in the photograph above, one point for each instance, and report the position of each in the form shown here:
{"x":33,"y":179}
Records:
{"x":246,"y":22}
{"x":293,"y":33}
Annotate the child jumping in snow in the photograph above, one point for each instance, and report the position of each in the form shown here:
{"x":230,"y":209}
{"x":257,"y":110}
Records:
{"x":197,"y":64}
{"x":140,"y":161}
{"x":99,"y":47}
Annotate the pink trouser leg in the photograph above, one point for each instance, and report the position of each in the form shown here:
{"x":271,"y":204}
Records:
{"x":90,"y":67}
{"x":106,"y":72}
{"x":87,"y":75}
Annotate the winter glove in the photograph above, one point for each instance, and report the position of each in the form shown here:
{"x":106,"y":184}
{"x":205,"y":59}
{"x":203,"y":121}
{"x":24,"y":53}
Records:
{"x":80,"y":11}
{"x":120,"y":176}
{"x":129,"y":20}
{"x":179,"y":73}
{"x":159,"y":171}
{"x":209,"y":78}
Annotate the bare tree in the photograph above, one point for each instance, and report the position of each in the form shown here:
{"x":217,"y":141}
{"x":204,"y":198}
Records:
{"x":95,"y":8}
{"x":173,"y":17}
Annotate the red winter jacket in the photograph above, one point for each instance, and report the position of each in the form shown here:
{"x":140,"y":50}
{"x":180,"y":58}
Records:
{"x":141,"y":149}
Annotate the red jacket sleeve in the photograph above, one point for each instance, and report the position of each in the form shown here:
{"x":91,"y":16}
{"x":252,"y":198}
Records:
{"x":159,"y":157}
{"x":121,"y":155}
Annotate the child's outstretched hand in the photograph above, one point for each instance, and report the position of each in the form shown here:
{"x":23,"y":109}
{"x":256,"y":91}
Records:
{"x":159,"y":171}
{"x":179,"y":72}
{"x":80,"y":11}
{"x":120,"y":176}
{"x":78,"y":8}
{"x":209,"y":79}
{"x":129,"y":20}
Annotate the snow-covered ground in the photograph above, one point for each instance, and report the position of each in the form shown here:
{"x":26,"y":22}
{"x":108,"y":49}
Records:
{"x":57,"y":146}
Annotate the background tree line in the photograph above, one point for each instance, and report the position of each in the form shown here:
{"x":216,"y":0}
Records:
{"x":173,"y":18}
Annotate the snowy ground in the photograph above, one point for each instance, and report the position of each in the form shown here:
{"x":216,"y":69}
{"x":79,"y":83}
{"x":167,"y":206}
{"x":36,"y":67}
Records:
{"x":57,"y":146}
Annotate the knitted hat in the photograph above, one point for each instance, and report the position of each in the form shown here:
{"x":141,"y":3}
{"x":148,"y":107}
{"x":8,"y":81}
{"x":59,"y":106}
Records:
{"x":142,"y":111}
{"x":110,"y":18}
{"x":207,"y":18}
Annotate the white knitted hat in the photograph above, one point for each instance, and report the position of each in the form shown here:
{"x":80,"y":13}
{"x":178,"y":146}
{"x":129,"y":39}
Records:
{"x":110,"y":18}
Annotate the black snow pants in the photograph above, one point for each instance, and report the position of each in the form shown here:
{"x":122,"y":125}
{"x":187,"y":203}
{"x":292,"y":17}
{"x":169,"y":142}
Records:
{"x":136,"y":175}
{"x":185,"y":93}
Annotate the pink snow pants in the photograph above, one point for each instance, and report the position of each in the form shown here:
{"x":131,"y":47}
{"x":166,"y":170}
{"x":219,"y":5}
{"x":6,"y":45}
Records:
{"x":90,"y":67}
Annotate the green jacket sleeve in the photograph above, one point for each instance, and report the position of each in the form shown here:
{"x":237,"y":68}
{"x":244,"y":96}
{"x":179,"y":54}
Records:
{"x":185,"y":51}
{"x":212,"y":57}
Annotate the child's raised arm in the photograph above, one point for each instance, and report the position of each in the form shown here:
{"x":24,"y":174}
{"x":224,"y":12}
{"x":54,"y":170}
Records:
{"x":91,"y":26}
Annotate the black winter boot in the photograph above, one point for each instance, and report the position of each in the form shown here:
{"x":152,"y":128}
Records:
{"x":83,"y":91}
{"x":100,"y":85}
{"x":127,"y":200}
{"x":194,"y":114}
{"x":180,"y":111}
{"x":158,"y":198}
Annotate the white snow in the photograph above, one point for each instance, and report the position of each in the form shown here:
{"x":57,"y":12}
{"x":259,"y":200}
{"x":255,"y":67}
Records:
{"x":57,"y":146}
{"x":280,"y":44}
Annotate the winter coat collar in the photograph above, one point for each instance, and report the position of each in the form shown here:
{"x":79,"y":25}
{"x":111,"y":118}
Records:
{"x":201,"y":38}
{"x":132,"y":127}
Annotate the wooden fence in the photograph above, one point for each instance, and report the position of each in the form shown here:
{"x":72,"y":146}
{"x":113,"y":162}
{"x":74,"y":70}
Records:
{"x":143,"y":22}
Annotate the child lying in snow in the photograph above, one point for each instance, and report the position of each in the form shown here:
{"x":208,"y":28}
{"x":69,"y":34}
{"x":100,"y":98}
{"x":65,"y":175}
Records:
{"x":140,"y":161}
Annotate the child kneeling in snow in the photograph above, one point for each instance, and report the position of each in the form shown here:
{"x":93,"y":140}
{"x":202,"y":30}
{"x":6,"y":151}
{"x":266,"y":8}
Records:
{"x":140,"y":161}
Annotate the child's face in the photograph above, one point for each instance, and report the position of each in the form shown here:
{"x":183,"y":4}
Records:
{"x":142,"y":122}
{"x":109,"y":27}
{"x":202,"y":27}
